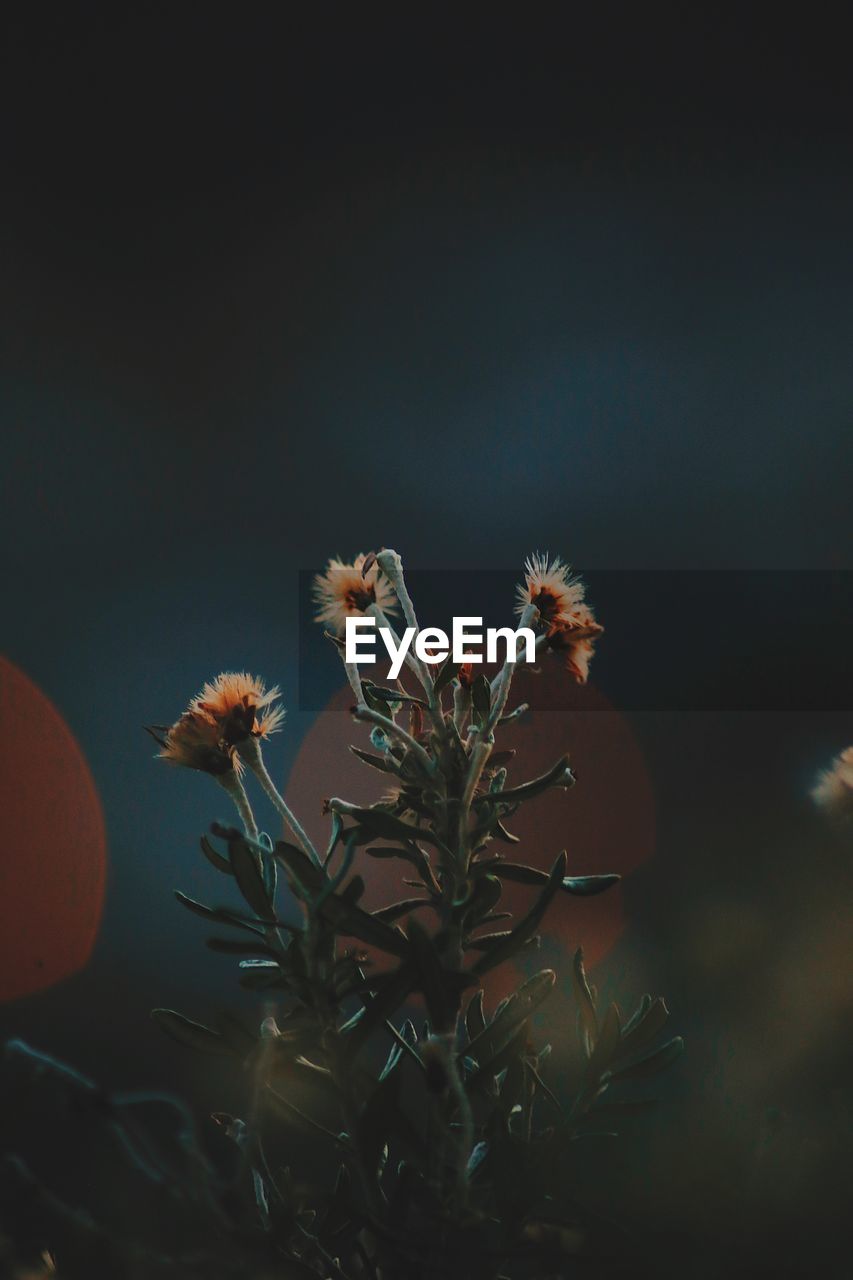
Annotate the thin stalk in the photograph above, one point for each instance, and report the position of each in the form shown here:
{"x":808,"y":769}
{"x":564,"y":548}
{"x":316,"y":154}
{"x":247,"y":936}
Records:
{"x":231,"y":784}
{"x":501,"y":683}
{"x":354,"y":678}
{"x":250,"y":752}
{"x":461,"y":706}
{"x":392,"y":566}
{"x":410,"y":659}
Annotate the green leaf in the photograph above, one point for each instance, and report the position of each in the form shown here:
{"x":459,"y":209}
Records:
{"x":510,"y":1015}
{"x":352,"y":891}
{"x":402,"y":908}
{"x":586,"y":886}
{"x":385,"y":826}
{"x":356,"y":923}
{"x":587,"y":1017}
{"x":388,"y":991}
{"x":408,"y":1036}
{"x":383,"y":763}
{"x":413,"y":855}
{"x":214,"y":857}
{"x":488,"y":941}
{"x":220,"y":914}
{"x":449,"y":670}
{"x":481,"y":698}
{"x":502,"y":1058}
{"x":259,"y":975}
{"x":518,"y":873}
{"x":306,"y":878}
{"x":248,"y":872}
{"x":381,"y":694}
{"x":649,"y":1024}
{"x":607,"y":1042}
{"x":528,"y":924}
{"x":559,"y":775}
{"x":187,"y":1032}
{"x":640,"y":1012}
{"x":484,"y":898}
{"x":650,"y":1065}
{"x":475,"y":1021}
{"x":580,"y":886}
{"x":334,"y":837}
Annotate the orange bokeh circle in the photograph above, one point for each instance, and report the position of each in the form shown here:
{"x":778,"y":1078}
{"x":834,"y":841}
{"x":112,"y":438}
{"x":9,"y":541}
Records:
{"x":53,"y":847}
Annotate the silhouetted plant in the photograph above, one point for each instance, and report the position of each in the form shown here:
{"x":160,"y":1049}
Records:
{"x":448,"y":1154}
{"x":432,"y":1151}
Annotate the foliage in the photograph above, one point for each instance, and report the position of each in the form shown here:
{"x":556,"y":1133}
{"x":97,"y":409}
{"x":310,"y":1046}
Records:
{"x":438,"y":1147}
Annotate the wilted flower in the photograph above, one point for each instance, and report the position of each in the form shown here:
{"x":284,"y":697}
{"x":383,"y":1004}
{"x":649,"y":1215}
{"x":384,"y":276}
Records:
{"x":570,"y":625}
{"x":233,"y":701}
{"x":348,"y":590}
{"x":833,"y":791}
{"x":576,"y":640}
{"x":195,"y":742}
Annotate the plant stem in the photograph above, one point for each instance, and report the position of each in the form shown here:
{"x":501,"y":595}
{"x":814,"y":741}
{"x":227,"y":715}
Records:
{"x":231,"y":784}
{"x":354,"y":678}
{"x":250,"y":751}
{"x":391,"y":727}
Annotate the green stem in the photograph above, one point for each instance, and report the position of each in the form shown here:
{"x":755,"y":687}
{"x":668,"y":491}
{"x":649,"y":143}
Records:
{"x":389,"y":726}
{"x":231,"y":784}
{"x":250,"y":751}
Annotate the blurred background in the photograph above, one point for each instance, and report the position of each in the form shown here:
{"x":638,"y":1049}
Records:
{"x":292,"y":282}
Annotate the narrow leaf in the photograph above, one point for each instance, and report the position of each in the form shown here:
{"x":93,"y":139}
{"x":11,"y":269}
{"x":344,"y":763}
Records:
{"x":527,"y":926}
{"x":187,"y":1032}
{"x":652,"y":1064}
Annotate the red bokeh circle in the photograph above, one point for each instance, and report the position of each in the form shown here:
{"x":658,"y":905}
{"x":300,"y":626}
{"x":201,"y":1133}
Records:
{"x":53,"y":847}
{"x":606,"y":822}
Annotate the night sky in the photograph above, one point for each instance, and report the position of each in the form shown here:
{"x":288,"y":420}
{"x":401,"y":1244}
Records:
{"x":291,"y":282}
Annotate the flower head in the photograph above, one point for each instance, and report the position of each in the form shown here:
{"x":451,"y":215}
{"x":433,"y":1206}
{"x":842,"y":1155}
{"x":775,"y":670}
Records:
{"x":549,"y":586}
{"x":195,"y":742}
{"x":576,"y":640}
{"x":570,"y":625}
{"x":239,"y":706}
{"x":833,"y":791}
{"x":348,"y":590}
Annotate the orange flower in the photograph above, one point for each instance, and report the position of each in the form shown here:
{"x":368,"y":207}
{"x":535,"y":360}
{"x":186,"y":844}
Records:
{"x":233,"y":701}
{"x":195,"y":742}
{"x":549,"y":586}
{"x":348,"y":590}
{"x":833,"y":791}
{"x":465,"y":675}
{"x":576,"y":640}
{"x":570,"y":625}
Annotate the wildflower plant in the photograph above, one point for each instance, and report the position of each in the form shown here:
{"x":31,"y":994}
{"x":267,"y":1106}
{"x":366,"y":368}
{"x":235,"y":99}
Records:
{"x":443,"y":1141}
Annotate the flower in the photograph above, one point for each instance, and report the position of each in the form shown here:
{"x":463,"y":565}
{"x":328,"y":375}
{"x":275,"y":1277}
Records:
{"x":833,"y":791}
{"x":576,"y":640}
{"x":232,"y":702}
{"x":348,"y":590}
{"x":549,"y":586}
{"x":195,"y":742}
{"x":570,"y":625}
{"x":465,"y":675}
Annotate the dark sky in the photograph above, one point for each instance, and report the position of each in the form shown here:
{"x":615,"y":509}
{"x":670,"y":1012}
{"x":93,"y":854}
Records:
{"x":283,"y":259}
{"x":295,"y":281}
